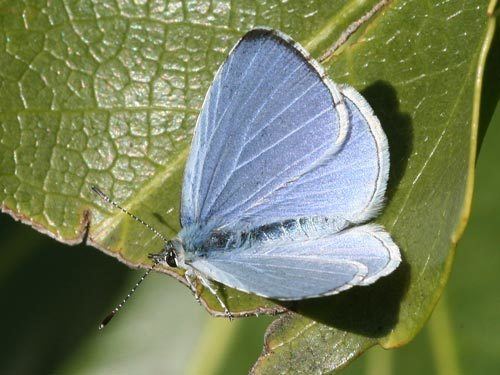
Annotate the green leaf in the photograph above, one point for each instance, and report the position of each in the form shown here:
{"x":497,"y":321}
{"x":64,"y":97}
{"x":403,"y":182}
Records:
{"x":108,"y":94}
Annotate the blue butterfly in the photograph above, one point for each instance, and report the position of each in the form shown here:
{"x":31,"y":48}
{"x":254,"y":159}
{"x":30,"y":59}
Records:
{"x":285,"y":168}
{"x":284,"y":171}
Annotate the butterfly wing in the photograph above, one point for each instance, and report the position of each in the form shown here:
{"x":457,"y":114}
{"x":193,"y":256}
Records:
{"x":310,"y":267}
{"x":277,"y":140}
{"x":269,"y":117}
{"x":350,"y":184}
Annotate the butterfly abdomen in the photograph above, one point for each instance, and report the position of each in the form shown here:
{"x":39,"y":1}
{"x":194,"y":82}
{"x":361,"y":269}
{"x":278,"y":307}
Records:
{"x":199,"y":240}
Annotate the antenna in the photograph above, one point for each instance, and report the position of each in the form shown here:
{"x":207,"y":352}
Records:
{"x":105,"y":198}
{"x":113,"y":312}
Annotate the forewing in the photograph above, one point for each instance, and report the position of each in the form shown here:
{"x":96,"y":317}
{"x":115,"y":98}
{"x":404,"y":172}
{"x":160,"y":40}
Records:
{"x":268,"y":118}
{"x":349,"y":185}
{"x":298,"y":269}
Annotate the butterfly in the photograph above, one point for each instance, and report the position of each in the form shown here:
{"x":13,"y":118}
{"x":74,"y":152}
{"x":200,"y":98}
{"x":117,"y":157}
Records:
{"x":284,"y":172}
{"x":285,"y":168}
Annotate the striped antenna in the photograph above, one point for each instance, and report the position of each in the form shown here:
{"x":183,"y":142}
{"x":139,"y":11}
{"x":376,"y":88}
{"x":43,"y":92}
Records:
{"x":113,"y":312}
{"x":105,"y":198}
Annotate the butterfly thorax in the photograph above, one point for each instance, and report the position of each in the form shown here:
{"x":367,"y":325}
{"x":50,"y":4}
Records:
{"x":198,"y":241}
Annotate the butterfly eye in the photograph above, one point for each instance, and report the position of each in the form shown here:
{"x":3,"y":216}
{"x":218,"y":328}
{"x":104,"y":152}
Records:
{"x":171,"y":259}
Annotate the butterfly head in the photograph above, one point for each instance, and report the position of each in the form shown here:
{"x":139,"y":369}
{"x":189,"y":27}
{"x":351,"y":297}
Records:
{"x":171,"y":258}
{"x":172,"y":254}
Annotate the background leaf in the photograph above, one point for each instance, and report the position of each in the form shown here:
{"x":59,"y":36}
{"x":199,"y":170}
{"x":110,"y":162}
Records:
{"x":109,"y":93}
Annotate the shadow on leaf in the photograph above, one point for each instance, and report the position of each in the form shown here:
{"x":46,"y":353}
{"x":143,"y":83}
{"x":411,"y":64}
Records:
{"x":397,"y":126}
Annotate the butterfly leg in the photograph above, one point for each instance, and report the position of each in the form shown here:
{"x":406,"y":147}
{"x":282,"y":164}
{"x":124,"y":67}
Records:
{"x":191,"y":277}
{"x":206,"y":283}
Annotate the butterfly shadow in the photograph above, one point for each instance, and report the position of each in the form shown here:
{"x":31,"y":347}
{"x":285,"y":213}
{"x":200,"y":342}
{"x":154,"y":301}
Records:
{"x":397,"y":126}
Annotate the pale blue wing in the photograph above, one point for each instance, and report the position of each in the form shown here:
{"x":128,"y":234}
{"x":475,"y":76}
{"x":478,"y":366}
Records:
{"x":269,"y":117}
{"x":349,"y":185}
{"x":293,"y":269}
